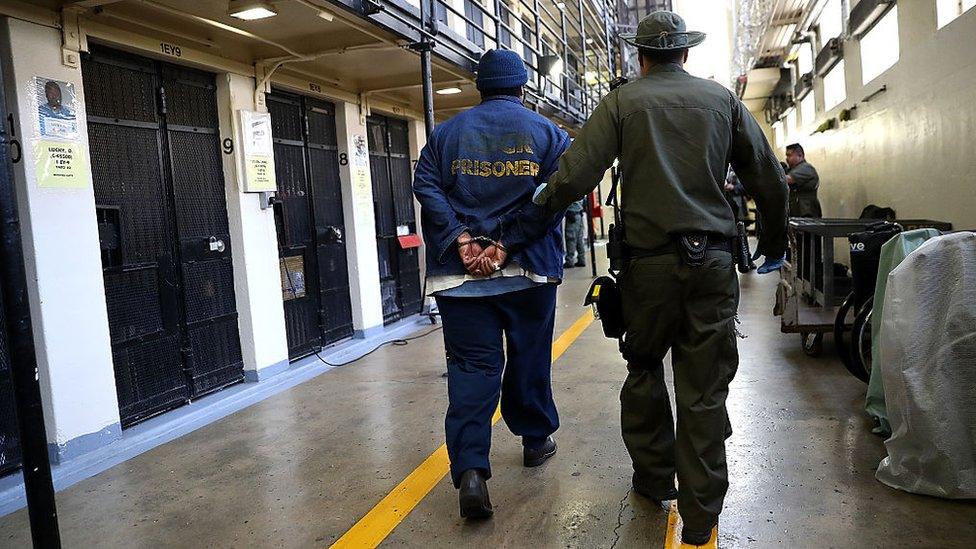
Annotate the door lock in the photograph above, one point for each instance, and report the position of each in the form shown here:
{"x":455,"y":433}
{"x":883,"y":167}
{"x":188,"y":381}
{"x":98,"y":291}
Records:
{"x":217,"y":245}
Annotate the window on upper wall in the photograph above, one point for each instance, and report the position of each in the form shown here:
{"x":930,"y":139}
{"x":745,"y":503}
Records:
{"x":879,"y":47}
{"x":808,"y":110}
{"x":804,"y":58}
{"x":831,"y":21}
{"x":476,"y":19}
{"x":835,"y":87}
{"x":948,"y":10}
{"x":791,"y":125}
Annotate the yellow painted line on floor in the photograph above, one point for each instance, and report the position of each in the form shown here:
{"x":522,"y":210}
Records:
{"x":373,"y":528}
{"x":673,"y":538}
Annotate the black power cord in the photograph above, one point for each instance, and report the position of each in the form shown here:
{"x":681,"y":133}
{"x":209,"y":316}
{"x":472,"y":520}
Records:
{"x":394,"y":342}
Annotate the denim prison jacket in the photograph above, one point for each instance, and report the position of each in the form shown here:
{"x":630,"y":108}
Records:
{"x":477,"y":173}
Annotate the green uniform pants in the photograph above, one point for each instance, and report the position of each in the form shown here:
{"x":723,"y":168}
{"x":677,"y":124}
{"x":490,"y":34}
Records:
{"x":691,"y":312}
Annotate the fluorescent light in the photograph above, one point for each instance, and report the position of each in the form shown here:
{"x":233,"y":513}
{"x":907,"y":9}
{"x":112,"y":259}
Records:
{"x":561,"y":5}
{"x":589,"y":40}
{"x":327,"y":16}
{"x":449,"y":91}
{"x":250,"y":10}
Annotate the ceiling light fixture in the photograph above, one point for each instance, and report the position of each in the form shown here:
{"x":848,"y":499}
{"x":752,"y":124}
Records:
{"x":449,"y":91}
{"x":250,"y":10}
{"x":327,"y":16}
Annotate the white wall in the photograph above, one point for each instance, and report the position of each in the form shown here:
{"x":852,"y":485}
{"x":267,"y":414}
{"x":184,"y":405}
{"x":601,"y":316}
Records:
{"x":360,"y":220}
{"x":911,"y":147}
{"x":712,"y":58}
{"x":254,"y":242}
{"x":63,"y":260}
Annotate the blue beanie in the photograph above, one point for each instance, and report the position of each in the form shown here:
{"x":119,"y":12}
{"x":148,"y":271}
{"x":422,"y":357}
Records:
{"x":501,"y":69}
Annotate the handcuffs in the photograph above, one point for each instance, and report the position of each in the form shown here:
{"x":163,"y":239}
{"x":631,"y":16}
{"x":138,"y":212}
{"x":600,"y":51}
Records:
{"x":485,"y":240}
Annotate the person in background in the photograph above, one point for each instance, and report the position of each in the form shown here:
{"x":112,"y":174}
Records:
{"x":494,"y":277}
{"x":803,"y":181}
{"x":675,"y":135}
{"x":576,"y":234}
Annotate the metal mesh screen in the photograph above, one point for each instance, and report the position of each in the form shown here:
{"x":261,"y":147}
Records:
{"x":132,"y":298}
{"x":400,"y":180}
{"x":198,"y":185}
{"x":217,"y":358}
{"x":209,"y":289}
{"x":131,"y":186}
{"x":119,"y":85}
{"x":149,"y":378}
{"x":286,"y":121}
{"x":293,"y":192}
{"x":382,"y":197}
{"x":321,"y":124}
{"x":191,"y":98}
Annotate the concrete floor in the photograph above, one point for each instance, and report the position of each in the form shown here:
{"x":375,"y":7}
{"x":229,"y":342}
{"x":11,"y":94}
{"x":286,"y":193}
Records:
{"x":300,"y":468}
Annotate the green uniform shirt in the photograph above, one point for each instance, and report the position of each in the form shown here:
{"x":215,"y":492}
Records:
{"x":675,"y":136}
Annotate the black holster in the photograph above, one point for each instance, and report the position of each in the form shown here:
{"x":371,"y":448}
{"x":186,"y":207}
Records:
{"x":692,"y":248}
{"x":605,"y":295}
{"x":617,"y":250}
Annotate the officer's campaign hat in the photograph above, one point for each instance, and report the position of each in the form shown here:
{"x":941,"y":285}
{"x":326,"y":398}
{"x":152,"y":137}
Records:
{"x":663,"y":31}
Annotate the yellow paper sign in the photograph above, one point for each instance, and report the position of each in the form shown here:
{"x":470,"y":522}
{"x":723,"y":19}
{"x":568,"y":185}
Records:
{"x":60,"y":165}
{"x":260,"y":173}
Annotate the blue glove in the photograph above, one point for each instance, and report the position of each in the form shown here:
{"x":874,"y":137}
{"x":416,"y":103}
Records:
{"x":771,"y":265}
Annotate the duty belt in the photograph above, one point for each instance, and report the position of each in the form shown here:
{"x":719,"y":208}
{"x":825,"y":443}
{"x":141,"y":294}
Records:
{"x":672,"y":248}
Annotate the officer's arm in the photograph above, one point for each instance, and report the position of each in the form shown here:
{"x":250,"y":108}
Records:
{"x":440,"y":221}
{"x":761,"y":174}
{"x":589,"y":157}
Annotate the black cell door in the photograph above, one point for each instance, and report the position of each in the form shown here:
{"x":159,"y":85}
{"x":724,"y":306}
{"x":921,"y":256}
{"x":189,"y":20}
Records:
{"x":389,"y":163}
{"x":308,"y":213}
{"x":165,"y":243}
{"x":9,"y":435}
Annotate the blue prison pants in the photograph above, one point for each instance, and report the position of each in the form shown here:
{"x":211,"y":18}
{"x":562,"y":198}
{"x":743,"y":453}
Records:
{"x":497,"y":345}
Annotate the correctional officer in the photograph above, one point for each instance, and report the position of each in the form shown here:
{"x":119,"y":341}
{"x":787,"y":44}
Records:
{"x":804,"y":181}
{"x":575,"y":243}
{"x":675,"y":136}
{"x":493,"y":278}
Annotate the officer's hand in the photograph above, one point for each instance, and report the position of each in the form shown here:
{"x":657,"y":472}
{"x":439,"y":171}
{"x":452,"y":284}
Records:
{"x":470,"y":252}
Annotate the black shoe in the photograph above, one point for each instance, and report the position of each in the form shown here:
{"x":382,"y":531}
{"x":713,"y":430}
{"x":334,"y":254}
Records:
{"x":534,"y":457}
{"x":661,"y":500}
{"x":580,"y":264}
{"x":473,"y":495}
{"x":568,"y":265}
{"x":695,"y":537}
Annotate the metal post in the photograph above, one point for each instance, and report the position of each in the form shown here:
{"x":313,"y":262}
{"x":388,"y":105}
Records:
{"x":38,"y":483}
{"x":425,"y":73}
{"x":591,"y":234}
{"x":425,"y":46}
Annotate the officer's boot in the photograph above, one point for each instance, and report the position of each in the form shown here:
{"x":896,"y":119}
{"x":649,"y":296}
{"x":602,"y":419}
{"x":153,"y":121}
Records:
{"x":473,"y":495}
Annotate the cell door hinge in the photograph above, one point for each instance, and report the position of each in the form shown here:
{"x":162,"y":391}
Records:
{"x":161,"y":97}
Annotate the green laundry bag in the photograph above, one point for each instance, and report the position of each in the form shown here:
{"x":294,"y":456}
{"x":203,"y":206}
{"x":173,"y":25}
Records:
{"x":892,"y":254}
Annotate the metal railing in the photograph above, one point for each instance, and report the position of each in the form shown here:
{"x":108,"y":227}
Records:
{"x":579,"y":33}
